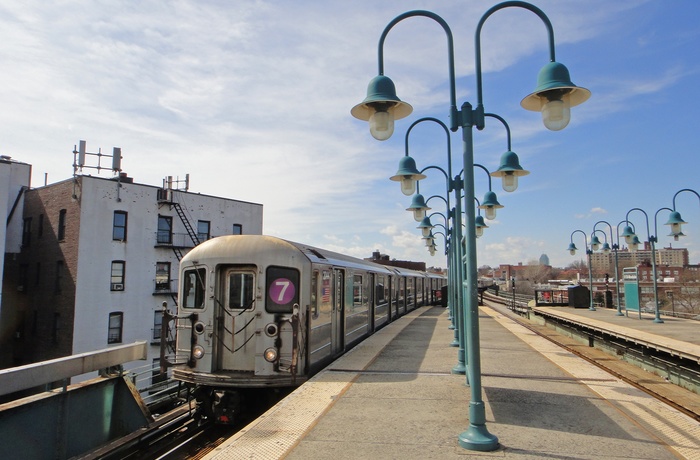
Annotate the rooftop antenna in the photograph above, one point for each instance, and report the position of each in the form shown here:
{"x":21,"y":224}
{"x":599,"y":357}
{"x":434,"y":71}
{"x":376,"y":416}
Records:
{"x":80,"y":155}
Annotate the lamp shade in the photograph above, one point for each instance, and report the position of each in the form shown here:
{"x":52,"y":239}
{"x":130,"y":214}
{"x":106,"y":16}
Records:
{"x":425,"y":226}
{"x":554,"y":95}
{"x":628,"y":234}
{"x":479,"y":225}
{"x":509,"y":171}
{"x":675,"y":221}
{"x":381,"y":107}
{"x":595,"y":243}
{"x":418,"y":207}
{"x":634,"y":243}
{"x":490,"y":204}
{"x":407,"y":175}
{"x":572,"y":248}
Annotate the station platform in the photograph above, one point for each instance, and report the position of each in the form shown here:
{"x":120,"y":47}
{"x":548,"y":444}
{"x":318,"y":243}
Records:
{"x":632,"y":323}
{"x":394,"y":397}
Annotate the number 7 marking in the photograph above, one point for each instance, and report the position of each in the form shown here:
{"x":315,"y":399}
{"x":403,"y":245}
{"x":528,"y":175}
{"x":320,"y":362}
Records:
{"x":284,"y":284}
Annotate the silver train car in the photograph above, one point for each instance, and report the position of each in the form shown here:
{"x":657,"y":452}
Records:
{"x":259,"y":312}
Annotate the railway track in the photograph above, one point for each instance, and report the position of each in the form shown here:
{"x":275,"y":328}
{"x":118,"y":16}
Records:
{"x":681,"y":399}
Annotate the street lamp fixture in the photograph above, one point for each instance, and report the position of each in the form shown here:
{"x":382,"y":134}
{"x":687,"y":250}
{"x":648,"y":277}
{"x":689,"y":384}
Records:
{"x":479,"y":225}
{"x":553,"y":96}
{"x":418,"y":207}
{"x":381,"y":107}
{"x":675,"y":221}
{"x":408,"y":175}
{"x":509,"y":170}
{"x":425,"y":226}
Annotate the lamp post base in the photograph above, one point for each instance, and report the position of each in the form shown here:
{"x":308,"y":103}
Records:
{"x":658,"y":320}
{"x":478,"y":438}
{"x":460,"y":369}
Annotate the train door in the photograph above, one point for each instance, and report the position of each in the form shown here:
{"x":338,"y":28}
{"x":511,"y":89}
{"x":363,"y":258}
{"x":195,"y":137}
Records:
{"x":235,"y":320}
{"x":338,"y":312}
{"x":372,"y":301}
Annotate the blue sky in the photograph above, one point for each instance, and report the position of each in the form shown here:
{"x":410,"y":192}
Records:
{"x":253,"y":99}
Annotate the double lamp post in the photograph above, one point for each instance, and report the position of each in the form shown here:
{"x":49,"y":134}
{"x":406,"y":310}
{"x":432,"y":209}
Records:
{"x":554,"y":95}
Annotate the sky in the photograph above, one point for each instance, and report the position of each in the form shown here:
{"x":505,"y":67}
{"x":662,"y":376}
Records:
{"x":252,"y":99}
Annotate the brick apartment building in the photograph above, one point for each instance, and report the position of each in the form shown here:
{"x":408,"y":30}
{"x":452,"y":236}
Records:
{"x":98,"y":259}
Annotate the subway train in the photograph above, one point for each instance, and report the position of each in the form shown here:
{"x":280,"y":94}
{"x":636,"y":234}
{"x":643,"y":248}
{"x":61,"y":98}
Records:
{"x":258,"y":313}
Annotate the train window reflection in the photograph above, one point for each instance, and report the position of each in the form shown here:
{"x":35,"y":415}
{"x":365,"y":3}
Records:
{"x":241,"y":290}
{"x":193,"y":288}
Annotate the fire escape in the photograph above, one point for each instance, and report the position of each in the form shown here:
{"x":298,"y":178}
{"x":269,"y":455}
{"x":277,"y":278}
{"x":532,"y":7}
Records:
{"x":165,"y":197}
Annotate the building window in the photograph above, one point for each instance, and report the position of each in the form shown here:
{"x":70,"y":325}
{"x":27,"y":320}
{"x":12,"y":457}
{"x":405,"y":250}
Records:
{"x":157,"y":325}
{"x":118,"y":271}
{"x":62,"y":225}
{"x":40,"y":230}
{"x":165,"y":229}
{"x":27,"y":232}
{"x":59,"y":276}
{"x":237,"y":229}
{"x":119,"y":226}
{"x":203,"y":228}
{"x":114,"y":331}
{"x":162,"y":276}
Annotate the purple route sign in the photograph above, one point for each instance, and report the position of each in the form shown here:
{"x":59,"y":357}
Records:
{"x":282,"y":291}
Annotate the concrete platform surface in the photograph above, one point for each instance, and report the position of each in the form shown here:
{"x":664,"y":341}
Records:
{"x":394,"y":397}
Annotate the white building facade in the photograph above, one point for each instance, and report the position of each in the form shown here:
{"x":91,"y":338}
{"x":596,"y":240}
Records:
{"x":15,"y":179}
{"x":105,"y":260}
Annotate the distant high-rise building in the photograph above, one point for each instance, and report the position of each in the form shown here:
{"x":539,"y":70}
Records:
{"x":544,"y":259}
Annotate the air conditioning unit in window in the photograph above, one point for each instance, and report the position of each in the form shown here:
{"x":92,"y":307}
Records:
{"x":117,"y":287}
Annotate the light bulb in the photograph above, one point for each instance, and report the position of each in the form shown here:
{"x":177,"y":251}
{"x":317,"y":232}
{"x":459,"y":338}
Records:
{"x":479,"y":231}
{"x":556,"y":111}
{"x":381,"y":125}
{"x":509,"y":181}
{"x":490,"y":212}
{"x":408,"y":185}
{"x":418,"y":214}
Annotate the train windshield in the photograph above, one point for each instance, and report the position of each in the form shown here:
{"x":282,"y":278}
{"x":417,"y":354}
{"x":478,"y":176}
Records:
{"x":193,"y":288}
{"x":241,"y":290}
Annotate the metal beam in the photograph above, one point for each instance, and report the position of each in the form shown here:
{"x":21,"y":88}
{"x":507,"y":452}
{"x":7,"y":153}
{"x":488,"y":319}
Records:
{"x":32,"y":375}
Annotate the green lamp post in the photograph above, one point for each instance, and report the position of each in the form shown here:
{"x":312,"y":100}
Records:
{"x":615,"y":248}
{"x":652,"y":239}
{"x":554,"y":95}
{"x":572,"y":250}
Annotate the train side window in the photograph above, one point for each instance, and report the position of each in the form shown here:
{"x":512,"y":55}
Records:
{"x":314,"y":294}
{"x":241,"y":290}
{"x":357,"y":291}
{"x":281,"y":290}
{"x":193,"y":288}
{"x":381,"y":290}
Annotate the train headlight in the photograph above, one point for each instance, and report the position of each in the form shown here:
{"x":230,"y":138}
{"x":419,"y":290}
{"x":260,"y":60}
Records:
{"x":271,"y":355}
{"x":271,"y":330}
{"x":198,"y":352}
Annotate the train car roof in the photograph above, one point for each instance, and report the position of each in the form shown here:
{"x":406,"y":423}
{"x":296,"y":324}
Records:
{"x":226,"y":246}
{"x":324,"y":256}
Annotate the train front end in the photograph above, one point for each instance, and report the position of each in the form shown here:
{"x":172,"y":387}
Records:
{"x":239,"y":321}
